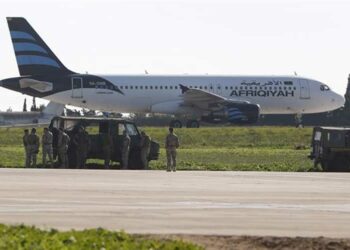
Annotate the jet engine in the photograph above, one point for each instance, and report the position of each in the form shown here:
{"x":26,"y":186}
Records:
{"x":236,"y":113}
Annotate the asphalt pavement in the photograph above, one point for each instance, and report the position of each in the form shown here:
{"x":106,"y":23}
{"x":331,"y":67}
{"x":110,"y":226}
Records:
{"x":185,"y":202}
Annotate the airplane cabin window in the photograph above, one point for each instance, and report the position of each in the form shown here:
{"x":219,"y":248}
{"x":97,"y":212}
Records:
{"x":166,"y":87}
{"x":135,"y":87}
{"x":160,"y":87}
{"x":121,"y":87}
{"x":141,"y":87}
{"x":150,"y":87}
{"x":175,"y":87}
{"x":171,"y":87}
{"x":146,"y":87}
{"x":131,"y":87}
{"x":155,"y":87}
{"x":126,"y":87}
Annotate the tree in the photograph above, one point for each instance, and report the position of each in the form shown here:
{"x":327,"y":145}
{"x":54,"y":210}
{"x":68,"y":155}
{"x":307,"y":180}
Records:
{"x":25,"y":105}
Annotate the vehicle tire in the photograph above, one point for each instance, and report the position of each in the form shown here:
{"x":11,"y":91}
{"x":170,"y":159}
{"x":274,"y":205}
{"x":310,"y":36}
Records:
{"x":192,"y":124}
{"x":340,"y":164}
{"x":175,"y":124}
{"x":135,"y":161}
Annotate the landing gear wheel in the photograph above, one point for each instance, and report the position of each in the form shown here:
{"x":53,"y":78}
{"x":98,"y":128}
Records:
{"x":192,"y":124}
{"x":175,"y":124}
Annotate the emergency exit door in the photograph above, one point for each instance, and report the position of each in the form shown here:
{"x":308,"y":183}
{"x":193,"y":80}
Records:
{"x":304,"y":89}
{"x":77,"y":87}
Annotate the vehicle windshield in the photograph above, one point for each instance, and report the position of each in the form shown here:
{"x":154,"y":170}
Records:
{"x":131,"y":129}
{"x":324,"y":87}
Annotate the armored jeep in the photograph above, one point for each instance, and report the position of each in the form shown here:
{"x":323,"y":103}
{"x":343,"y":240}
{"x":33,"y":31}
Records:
{"x":331,"y":148}
{"x":97,"y":127}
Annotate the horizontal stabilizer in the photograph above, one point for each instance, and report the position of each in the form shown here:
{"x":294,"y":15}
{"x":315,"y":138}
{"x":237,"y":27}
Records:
{"x":35,"y":84}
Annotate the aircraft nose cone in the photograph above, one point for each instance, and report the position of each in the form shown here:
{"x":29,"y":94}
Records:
{"x":338,"y":101}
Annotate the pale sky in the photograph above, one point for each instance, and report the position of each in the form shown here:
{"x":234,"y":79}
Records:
{"x":244,"y":37}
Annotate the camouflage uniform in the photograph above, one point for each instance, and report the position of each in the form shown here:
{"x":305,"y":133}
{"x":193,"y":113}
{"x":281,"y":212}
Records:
{"x":145,"y":145}
{"x":125,"y":150}
{"x":62,"y":148}
{"x":107,"y":145}
{"x":33,"y":148}
{"x":25,"y":145}
{"x":82,"y":143}
{"x":171,"y":144}
{"x":46,"y":141}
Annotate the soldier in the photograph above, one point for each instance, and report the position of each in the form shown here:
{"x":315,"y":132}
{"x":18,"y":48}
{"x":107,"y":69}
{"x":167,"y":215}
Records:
{"x":145,"y":145}
{"x":171,"y":144}
{"x":25,"y":145}
{"x":125,"y":149}
{"x":82,"y":143}
{"x":62,"y":147}
{"x":107,"y":146}
{"x":33,"y":147}
{"x":46,"y":141}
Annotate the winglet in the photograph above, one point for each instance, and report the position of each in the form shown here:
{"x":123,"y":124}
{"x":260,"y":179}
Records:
{"x":184,"y":88}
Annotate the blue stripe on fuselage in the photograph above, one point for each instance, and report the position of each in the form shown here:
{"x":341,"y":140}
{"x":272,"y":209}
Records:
{"x":31,"y":59}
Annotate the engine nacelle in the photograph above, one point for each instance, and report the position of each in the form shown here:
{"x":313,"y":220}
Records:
{"x":238,"y":113}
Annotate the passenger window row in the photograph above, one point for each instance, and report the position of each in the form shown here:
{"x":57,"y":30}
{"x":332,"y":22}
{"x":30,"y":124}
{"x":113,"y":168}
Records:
{"x":206,"y":87}
{"x":148,"y":87}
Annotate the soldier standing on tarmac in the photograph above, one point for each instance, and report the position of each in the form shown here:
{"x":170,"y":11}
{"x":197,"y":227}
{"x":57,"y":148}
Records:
{"x":107,"y":145}
{"x":46,"y":141}
{"x":145,"y":145}
{"x":62,"y":147}
{"x":33,"y":147}
{"x":25,"y":145}
{"x":125,"y":149}
{"x":82,"y":144}
{"x":171,"y":144}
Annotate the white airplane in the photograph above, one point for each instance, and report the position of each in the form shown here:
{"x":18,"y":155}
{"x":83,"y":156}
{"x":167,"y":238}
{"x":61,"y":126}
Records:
{"x":32,"y":118}
{"x":233,"y":99}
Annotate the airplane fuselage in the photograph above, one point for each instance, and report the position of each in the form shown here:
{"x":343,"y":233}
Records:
{"x":162,"y":94}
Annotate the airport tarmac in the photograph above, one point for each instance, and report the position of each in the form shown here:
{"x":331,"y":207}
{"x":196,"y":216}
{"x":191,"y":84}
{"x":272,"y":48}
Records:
{"x":185,"y":202}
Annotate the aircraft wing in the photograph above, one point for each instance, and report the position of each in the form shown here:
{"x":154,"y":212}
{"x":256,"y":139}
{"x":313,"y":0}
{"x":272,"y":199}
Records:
{"x":29,"y":125}
{"x":203,"y":99}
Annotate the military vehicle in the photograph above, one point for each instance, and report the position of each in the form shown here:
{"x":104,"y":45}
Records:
{"x":331,"y":148}
{"x":97,"y":128}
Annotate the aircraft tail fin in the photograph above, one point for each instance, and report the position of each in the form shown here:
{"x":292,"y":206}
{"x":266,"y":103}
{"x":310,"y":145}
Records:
{"x":33,"y":56}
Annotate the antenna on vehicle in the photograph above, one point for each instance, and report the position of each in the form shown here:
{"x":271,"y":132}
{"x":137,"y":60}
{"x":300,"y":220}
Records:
{"x":295,"y":73}
{"x":146,"y":72}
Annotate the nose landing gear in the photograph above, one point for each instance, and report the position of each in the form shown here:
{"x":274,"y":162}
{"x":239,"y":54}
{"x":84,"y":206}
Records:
{"x":299,"y":121}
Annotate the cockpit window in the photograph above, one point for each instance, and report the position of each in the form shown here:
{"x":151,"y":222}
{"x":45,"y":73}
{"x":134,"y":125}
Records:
{"x":324,"y":88}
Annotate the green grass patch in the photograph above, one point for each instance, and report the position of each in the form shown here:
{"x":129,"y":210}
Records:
{"x":24,"y":237}
{"x":243,"y":159}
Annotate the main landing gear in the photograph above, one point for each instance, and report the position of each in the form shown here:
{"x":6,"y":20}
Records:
{"x":189,"y":124}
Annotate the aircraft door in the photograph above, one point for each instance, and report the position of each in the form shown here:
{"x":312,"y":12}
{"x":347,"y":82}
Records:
{"x":304,"y":89}
{"x":77,"y":87}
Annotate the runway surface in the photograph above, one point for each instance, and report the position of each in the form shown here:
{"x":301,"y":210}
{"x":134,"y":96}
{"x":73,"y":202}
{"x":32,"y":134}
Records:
{"x":226,"y":203}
